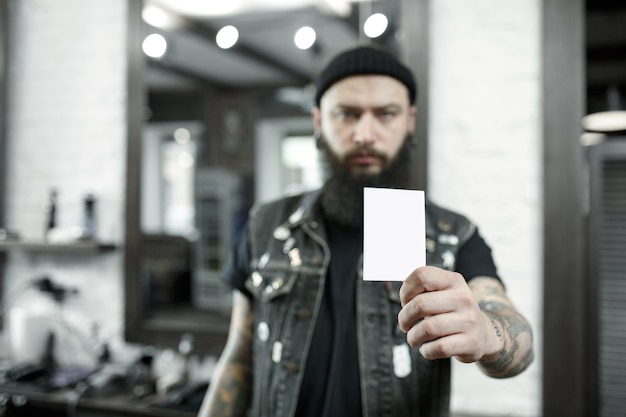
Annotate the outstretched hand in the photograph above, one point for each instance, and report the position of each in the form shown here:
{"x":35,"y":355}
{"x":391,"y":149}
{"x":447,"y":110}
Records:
{"x":441,"y":315}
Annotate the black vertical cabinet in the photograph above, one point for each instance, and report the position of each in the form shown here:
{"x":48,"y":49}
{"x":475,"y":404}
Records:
{"x":607,"y":276}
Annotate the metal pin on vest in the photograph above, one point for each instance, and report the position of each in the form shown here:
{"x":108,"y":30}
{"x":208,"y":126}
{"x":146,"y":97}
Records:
{"x":296,"y":216}
{"x":294,"y":257}
{"x":263,"y":260}
{"x":281,"y":233}
{"x":263,"y":331}
{"x":277,"y":351}
{"x":448,"y":259}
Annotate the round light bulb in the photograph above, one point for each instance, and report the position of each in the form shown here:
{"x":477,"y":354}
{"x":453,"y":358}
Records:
{"x":154,"y":45}
{"x":305,"y":37}
{"x":375,"y":25}
{"x":227,"y":37}
{"x":157,"y":17}
{"x":182,"y":135}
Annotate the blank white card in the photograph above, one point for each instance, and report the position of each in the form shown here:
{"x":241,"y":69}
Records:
{"x":394,"y":233}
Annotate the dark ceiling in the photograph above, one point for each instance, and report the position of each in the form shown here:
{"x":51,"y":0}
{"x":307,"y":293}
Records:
{"x":266,"y":56}
{"x":605,"y":51}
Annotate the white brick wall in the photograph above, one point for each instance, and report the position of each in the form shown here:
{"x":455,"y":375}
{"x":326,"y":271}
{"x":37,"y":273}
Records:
{"x":485,"y":161}
{"x":67,"y":130}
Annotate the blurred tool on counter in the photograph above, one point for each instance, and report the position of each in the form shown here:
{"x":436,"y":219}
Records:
{"x":29,"y":326}
{"x":33,"y":333}
{"x":185,"y":348}
{"x":28,"y":333}
{"x":43,"y":373}
{"x":43,"y":284}
{"x":56,"y":291}
{"x":140,"y":377}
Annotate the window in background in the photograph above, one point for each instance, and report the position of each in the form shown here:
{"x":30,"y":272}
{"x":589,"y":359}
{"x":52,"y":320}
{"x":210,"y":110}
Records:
{"x":300,"y":164}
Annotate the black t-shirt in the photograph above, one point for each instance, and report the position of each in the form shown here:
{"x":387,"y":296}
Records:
{"x":331,"y":381}
{"x":334,"y":356}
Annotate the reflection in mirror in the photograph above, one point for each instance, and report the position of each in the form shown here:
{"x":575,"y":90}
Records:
{"x":168,"y":164}
{"x":221,"y":128}
{"x":301,"y":170}
{"x":286,"y":157}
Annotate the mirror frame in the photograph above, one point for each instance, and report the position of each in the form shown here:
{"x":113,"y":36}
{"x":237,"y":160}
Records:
{"x":211,"y":337}
{"x":565,"y":312}
{"x":4,"y":53}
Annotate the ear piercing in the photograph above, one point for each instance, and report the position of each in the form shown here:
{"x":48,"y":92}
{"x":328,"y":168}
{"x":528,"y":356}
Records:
{"x":317,"y":136}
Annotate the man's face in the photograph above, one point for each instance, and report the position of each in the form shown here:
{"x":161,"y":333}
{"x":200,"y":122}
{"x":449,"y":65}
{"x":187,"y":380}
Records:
{"x":365,"y":120}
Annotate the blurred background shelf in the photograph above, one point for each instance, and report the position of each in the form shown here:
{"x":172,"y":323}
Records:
{"x":86,"y":246}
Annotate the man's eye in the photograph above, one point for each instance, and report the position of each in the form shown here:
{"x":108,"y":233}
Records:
{"x":388,"y":114}
{"x":346,"y":115}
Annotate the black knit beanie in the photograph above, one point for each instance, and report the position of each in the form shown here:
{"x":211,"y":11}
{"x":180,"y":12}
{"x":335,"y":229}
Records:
{"x":364,"y":60}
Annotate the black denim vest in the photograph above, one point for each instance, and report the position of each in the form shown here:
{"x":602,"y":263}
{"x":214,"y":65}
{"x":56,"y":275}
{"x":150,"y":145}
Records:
{"x":290,"y":257}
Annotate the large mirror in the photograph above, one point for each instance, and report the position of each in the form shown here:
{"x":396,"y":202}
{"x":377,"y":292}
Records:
{"x":212,"y":130}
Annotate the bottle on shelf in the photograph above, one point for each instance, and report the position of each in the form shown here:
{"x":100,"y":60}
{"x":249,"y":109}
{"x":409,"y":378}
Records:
{"x":51,"y":213}
{"x":89,"y":214}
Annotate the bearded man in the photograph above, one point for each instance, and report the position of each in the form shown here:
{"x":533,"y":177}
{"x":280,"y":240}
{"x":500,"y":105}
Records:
{"x":310,"y":337}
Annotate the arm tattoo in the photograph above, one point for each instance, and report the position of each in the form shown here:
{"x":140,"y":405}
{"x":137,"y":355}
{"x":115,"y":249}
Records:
{"x":230,"y":388}
{"x":234,"y":384}
{"x":509,"y":325}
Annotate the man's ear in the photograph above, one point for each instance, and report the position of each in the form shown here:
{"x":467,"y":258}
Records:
{"x":316,"y":116}
{"x":412,"y":119}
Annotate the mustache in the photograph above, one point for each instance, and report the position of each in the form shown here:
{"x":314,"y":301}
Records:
{"x":365,"y":150}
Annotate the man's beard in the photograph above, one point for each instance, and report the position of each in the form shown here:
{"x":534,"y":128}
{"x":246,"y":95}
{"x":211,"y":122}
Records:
{"x":342,"y":193}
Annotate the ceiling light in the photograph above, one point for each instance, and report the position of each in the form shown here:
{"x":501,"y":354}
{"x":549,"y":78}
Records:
{"x":269,"y":5}
{"x":154,"y":45}
{"x":232,"y":7}
{"x":592,"y":138}
{"x":305,"y":37}
{"x":182,"y":135}
{"x":339,"y":7}
{"x":227,"y":37}
{"x":375,"y":25}
{"x":202,"y":8}
{"x":606,"y":121}
{"x":611,"y":120}
{"x":157,"y":17}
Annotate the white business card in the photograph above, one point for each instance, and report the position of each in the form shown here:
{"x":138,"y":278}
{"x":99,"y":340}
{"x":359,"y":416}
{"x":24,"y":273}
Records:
{"x":394,"y":233}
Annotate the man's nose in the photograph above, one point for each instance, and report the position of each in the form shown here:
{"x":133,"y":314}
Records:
{"x":364,"y":132}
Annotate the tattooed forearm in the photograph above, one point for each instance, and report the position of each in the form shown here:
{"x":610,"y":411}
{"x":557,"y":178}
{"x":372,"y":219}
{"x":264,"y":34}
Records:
{"x":233,"y":391}
{"x":509,"y":326}
{"x":516,"y":353}
{"x":230,"y":388}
